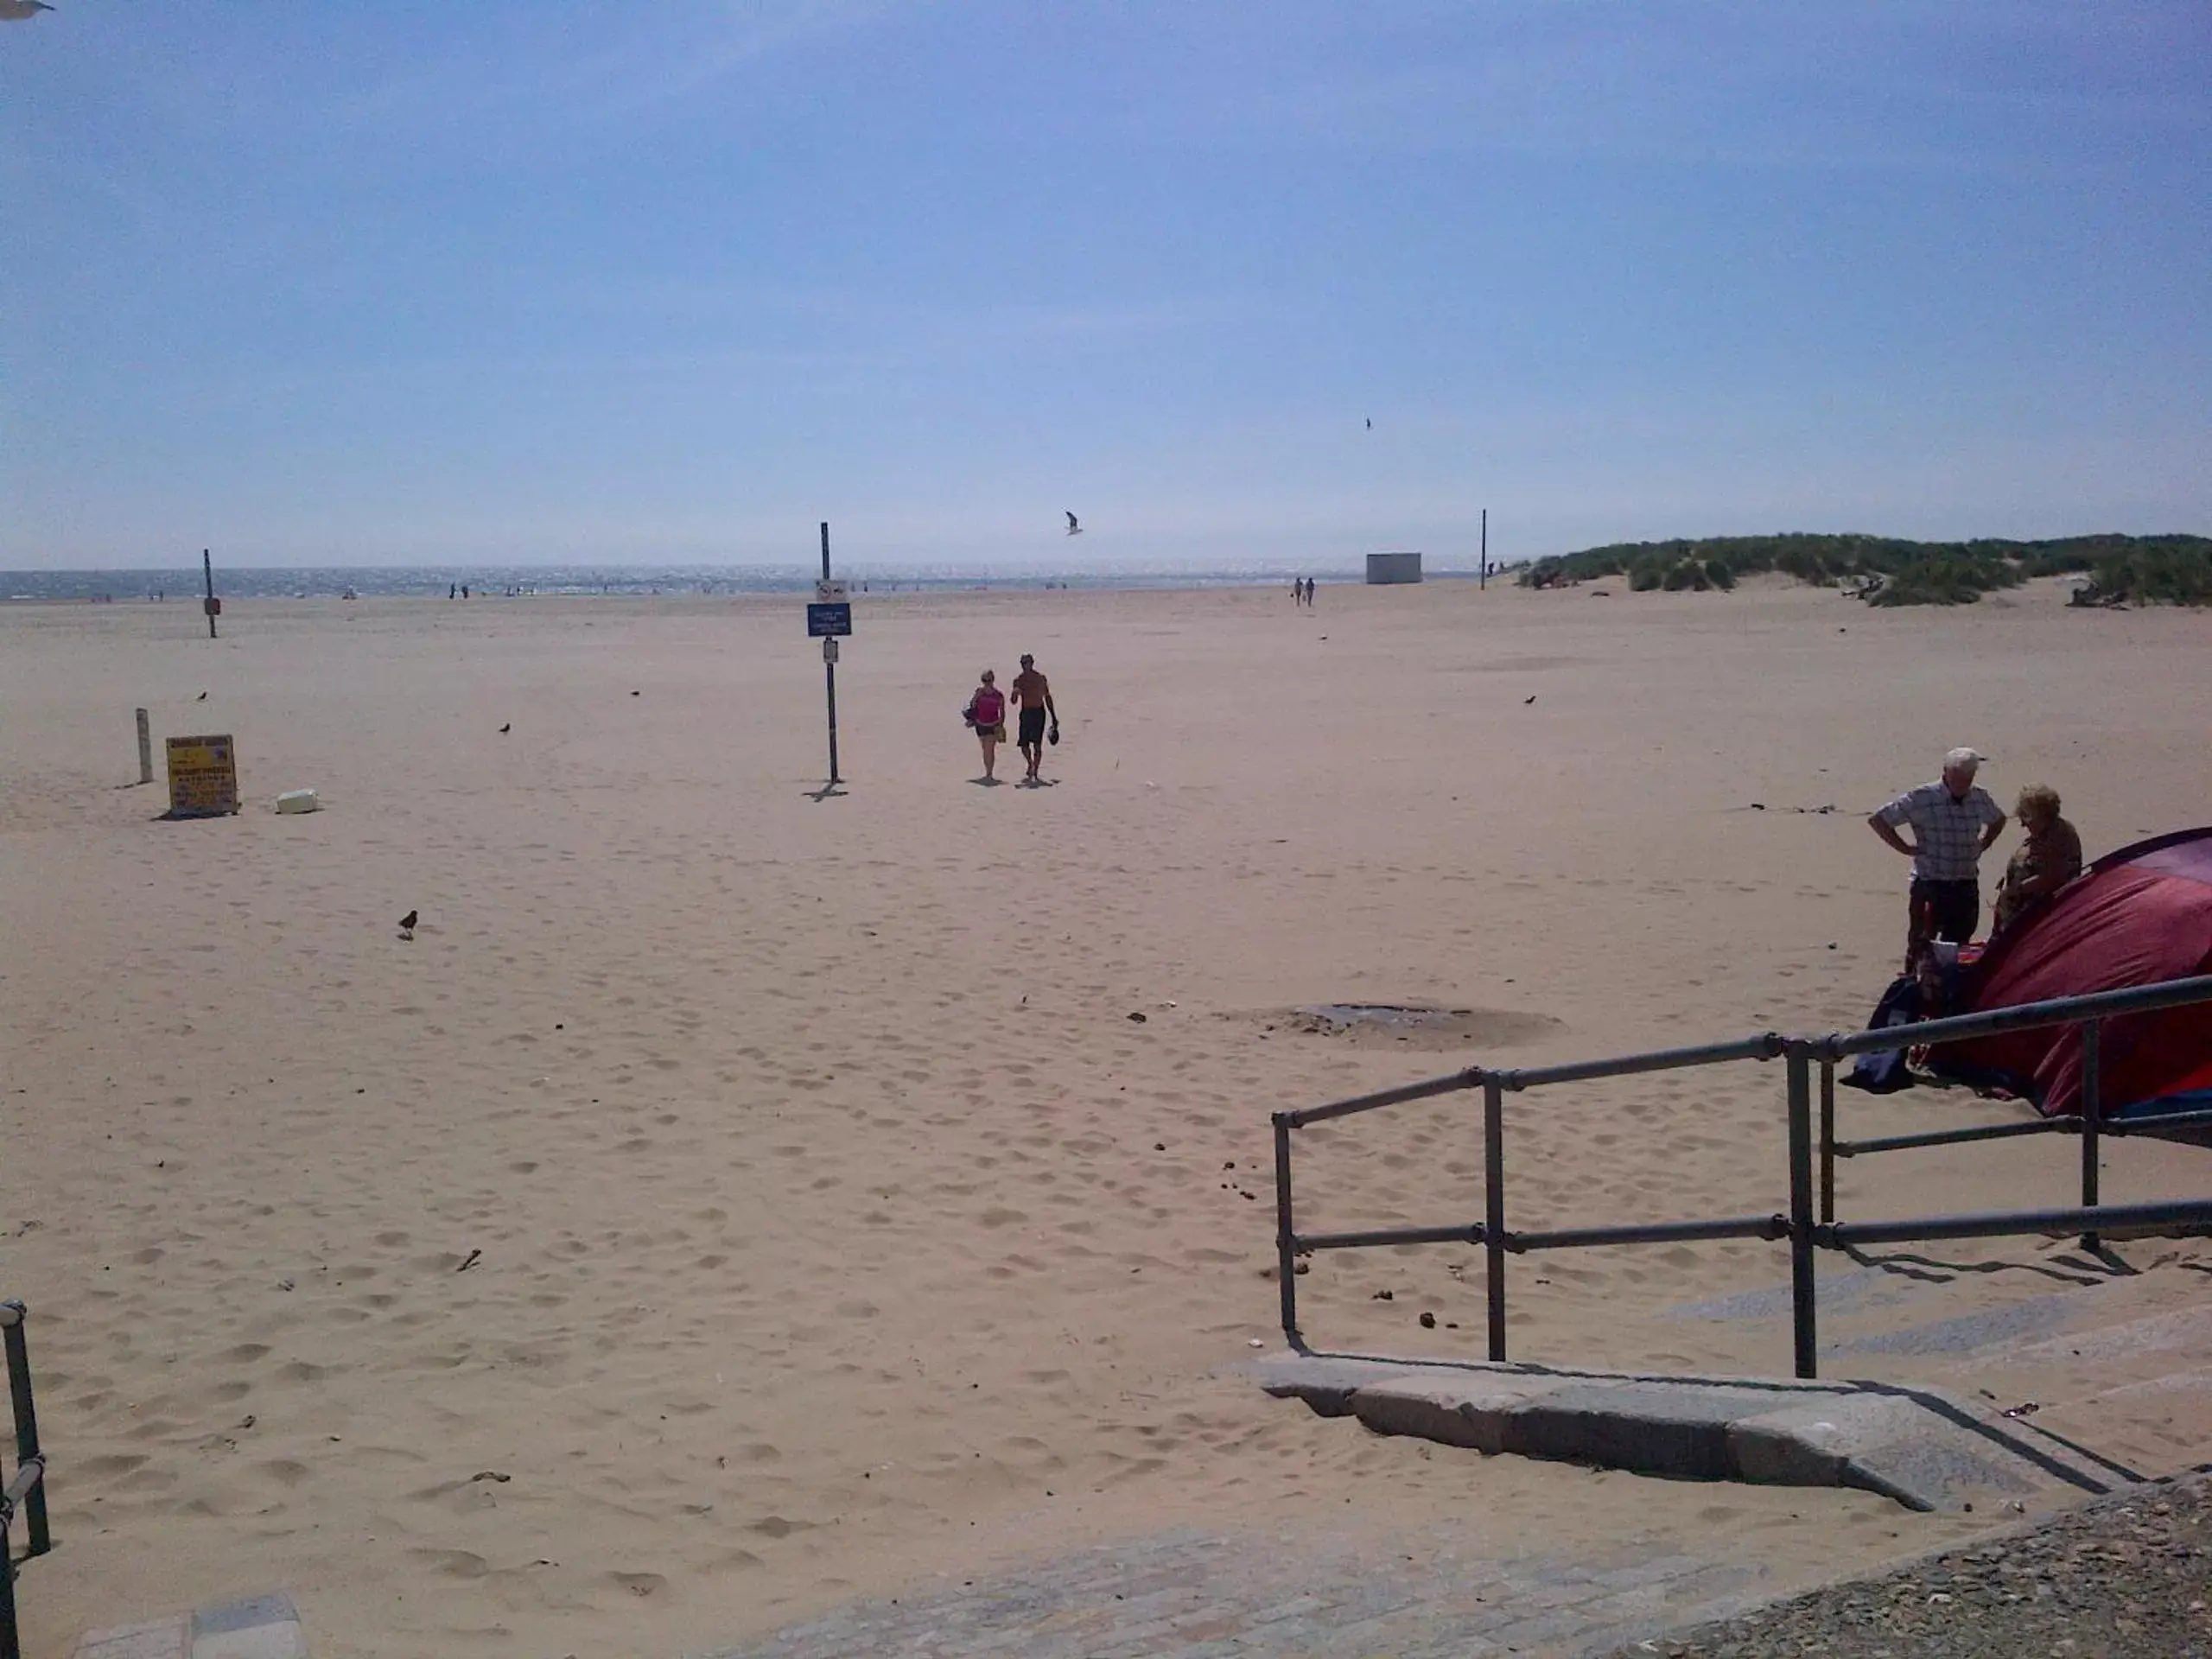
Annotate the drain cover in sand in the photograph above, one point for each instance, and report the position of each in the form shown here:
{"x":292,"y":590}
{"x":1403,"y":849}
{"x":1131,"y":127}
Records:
{"x":1422,"y":1025}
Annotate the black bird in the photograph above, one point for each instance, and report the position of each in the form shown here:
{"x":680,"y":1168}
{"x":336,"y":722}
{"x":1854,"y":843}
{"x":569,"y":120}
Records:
{"x":1074,"y":529}
{"x":1370,"y":423}
{"x":407,"y":925}
{"x":1526,"y":700}
{"x":509,"y":727}
{"x":202,"y":698}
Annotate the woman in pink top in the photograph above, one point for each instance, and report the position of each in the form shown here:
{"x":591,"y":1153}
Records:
{"x":986,"y":712}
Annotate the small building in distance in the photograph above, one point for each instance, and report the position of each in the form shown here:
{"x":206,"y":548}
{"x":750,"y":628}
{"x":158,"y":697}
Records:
{"x":1386,"y":569}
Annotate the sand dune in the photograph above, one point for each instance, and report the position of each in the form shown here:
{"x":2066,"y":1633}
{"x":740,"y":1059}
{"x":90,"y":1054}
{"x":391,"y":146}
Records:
{"x":834,"y":1224}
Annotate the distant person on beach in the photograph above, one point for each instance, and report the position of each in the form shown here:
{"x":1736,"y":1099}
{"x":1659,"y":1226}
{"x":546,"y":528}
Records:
{"x":1032,"y":696}
{"x":2047,"y":861}
{"x":1954,"y":821}
{"x":986,"y":713}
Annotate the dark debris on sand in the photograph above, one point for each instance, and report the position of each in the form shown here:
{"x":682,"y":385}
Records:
{"x":2127,"y":1577}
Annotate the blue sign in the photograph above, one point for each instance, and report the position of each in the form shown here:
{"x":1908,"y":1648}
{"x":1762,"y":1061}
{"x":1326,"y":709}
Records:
{"x":822,"y":620}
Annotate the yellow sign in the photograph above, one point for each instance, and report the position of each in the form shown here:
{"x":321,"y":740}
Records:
{"x":203,"y":776}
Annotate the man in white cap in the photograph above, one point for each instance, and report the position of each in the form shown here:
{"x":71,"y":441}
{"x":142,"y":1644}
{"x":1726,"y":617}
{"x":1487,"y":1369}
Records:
{"x":1954,"y":823}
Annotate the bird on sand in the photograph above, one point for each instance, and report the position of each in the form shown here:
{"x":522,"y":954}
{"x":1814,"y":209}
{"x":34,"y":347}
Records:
{"x":1074,"y":529}
{"x":504,"y":730}
{"x":1526,"y":700}
{"x":21,"y":11}
{"x":202,"y":698}
{"x":407,"y":925}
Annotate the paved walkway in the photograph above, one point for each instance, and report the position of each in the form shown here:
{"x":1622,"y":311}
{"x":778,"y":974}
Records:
{"x":2125,"y":1578}
{"x":1188,"y":1596}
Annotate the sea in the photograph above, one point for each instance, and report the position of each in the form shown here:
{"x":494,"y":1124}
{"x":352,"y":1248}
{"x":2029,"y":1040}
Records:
{"x":626,"y":582}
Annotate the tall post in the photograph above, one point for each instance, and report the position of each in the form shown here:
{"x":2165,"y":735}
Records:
{"x":1494,"y":1209}
{"x":145,"y":749}
{"x":1803,"y":1291}
{"x":830,"y":664}
{"x":2092,"y":1112}
{"x":1286,"y":1236}
{"x":207,"y":567}
{"x":1484,"y":581}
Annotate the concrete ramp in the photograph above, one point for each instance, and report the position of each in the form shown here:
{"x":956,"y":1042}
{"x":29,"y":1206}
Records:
{"x":260,"y":1627}
{"x":1924,"y":1447}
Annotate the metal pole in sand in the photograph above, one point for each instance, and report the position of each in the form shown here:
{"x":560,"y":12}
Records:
{"x":207,"y":567}
{"x":1484,"y":581}
{"x":145,"y":749}
{"x":829,"y":663}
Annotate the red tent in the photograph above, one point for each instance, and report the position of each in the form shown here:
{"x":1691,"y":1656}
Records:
{"x":2135,"y":917}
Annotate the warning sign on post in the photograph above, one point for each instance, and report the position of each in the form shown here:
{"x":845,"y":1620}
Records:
{"x":203,"y":776}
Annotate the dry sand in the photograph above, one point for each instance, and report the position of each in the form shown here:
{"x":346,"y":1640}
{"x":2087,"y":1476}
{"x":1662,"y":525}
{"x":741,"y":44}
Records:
{"x":838,"y":1226}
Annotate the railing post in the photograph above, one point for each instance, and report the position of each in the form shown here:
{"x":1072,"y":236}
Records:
{"x":19,"y":1390}
{"x":10,"y":1647}
{"x":2092,"y":1112}
{"x":1828,"y":1140}
{"x":1804,"y":1293}
{"x":1494,"y":1208}
{"x":1285,"y":1238}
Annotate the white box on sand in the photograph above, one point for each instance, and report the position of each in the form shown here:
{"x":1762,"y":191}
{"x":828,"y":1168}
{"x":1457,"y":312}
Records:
{"x":299,"y":800}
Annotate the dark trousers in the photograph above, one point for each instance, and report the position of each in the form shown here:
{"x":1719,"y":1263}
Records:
{"x":1941,"y":910}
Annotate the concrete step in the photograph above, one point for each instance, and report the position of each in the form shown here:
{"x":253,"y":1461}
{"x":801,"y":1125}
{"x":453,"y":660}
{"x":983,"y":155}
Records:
{"x":1924,"y":1447}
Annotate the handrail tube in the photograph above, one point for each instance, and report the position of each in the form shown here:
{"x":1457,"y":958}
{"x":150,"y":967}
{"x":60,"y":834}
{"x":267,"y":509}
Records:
{"x":1494,"y":1215}
{"x":1469,"y":1232}
{"x":1828,"y":1140}
{"x":2107,"y":1125}
{"x":1423,"y":1090}
{"x":1657,"y":1232}
{"x":1996,"y":1223}
{"x":26,"y":1476}
{"x":2093,"y":1043}
{"x":1286,"y":1236}
{"x":2023,"y":1016}
{"x":2157,"y":1121}
{"x":1765,"y":1046}
{"x":15,"y":1346}
{"x":1804,"y":1295}
{"x":1953,"y":1137}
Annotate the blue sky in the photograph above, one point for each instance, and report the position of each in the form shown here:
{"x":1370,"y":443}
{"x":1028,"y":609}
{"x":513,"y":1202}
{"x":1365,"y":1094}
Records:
{"x":517,"y":280}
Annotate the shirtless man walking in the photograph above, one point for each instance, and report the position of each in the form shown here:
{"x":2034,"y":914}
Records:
{"x":1032,"y":696}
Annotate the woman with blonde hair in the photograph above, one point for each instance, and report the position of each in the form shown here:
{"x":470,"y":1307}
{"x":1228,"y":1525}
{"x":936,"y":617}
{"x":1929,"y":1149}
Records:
{"x":986,"y":716}
{"x":2047,"y":861}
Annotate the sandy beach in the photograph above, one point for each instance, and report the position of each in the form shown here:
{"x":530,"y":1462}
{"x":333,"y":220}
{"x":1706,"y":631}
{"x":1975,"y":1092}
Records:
{"x":732,"y":1201}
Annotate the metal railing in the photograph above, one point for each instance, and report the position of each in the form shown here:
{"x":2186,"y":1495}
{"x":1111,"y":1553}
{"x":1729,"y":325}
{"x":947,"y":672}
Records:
{"x":26,"y":1488}
{"x":1806,"y":1226}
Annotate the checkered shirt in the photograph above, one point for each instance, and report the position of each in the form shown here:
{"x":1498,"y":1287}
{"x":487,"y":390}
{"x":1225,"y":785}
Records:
{"x":1948,"y":829}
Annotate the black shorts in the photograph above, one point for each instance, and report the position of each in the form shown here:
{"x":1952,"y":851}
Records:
{"x":1032,"y":726}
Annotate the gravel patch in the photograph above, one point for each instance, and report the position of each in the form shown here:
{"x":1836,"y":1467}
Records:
{"x":2127,"y":1577}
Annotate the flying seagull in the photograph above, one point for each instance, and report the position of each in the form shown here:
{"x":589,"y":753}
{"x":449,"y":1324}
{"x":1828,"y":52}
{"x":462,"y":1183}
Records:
{"x":21,"y":11}
{"x":1371,"y":423}
{"x":1074,"y":529}
{"x":407,"y":925}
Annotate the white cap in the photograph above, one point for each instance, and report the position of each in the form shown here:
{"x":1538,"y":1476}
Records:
{"x":1967,"y":759}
